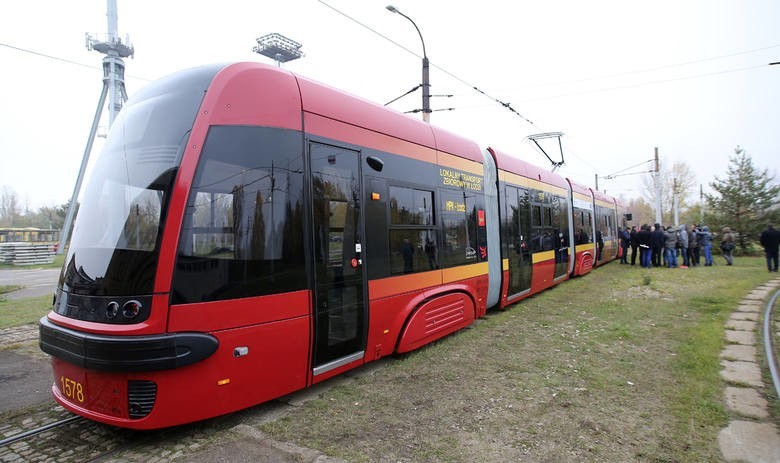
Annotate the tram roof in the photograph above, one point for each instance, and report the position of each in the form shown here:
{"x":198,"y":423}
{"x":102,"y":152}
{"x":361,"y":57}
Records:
{"x":511,"y":163}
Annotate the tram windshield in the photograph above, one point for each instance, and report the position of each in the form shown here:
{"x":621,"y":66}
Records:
{"x":118,"y":227}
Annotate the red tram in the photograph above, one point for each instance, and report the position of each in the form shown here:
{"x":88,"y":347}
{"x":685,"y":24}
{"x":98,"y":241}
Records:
{"x":247,"y":232}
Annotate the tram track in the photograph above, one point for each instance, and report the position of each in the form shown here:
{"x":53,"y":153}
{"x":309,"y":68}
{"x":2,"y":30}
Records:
{"x":59,"y":436}
{"x":770,"y":346}
{"x":33,"y":432}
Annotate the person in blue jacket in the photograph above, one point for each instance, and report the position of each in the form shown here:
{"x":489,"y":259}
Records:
{"x":705,"y":241}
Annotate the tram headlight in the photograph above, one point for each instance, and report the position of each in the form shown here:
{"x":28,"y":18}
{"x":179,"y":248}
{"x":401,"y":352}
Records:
{"x":112,"y":309}
{"x":131,"y":309}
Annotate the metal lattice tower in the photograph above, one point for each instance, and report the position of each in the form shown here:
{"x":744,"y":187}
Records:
{"x":113,"y":65}
{"x":114,"y":87}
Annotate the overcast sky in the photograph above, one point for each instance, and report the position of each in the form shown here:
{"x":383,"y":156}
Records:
{"x":618,"y":78}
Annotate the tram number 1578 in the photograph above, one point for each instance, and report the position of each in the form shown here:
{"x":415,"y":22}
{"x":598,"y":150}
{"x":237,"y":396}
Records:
{"x":72,"y":389}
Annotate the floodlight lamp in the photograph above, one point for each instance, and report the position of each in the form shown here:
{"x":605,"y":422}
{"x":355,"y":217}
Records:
{"x":278,"y":47}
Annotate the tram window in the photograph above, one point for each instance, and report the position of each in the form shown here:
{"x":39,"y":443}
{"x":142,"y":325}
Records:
{"x":511,"y":230}
{"x":413,"y":251}
{"x":459,"y":221}
{"x":536,"y":215}
{"x":410,"y":207}
{"x":412,"y":239}
{"x":242,"y":234}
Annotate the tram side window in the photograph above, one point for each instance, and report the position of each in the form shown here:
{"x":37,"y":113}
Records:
{"x":461,"y":231}
{"x":582,"y":227}
{"x":242,"y":234}
{"x":412,"y":236}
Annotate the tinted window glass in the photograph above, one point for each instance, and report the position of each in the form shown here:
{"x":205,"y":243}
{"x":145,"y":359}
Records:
{"x":413,"y":251}
{"x":114,"y":248}
{"x":243,"y":230}
{"x":410,"y":207}
{"x":460,"y":228}
{"x":412,"y":238}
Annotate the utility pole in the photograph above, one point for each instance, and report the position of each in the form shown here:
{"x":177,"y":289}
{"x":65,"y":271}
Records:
{"x":597,"y":182}
{"x":426,"y":84}
{"x":675,"y":198}
{"x":701,"y":202}
{"x":657,"y":188}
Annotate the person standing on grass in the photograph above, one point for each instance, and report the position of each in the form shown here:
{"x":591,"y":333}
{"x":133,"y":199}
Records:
{"x":670,"y":247}
{"x":634,"y":236}
{"x":625,"y":239}
{"x":693,"y":245}
{"x":770,"y":240}
{"x":645,"y":258}
{"x":705,"y":241}
{"x":727,"y":245}
{"x":657,"y":238}
{"x":682,"y":240}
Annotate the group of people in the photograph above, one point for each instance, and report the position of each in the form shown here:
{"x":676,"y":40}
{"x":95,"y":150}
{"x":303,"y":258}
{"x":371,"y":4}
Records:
{"x":659,"y":246}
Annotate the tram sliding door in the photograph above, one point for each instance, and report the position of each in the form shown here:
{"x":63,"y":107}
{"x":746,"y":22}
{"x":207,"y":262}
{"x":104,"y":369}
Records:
{"x":518,"y":225}
{"x":340,"y":312}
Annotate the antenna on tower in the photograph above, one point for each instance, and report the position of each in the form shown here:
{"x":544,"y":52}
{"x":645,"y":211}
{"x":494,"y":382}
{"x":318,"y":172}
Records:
{"x":114,"y":86}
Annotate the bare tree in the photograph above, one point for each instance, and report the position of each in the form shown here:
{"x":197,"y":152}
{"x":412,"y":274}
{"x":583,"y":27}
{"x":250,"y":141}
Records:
{"x":9,"y":207}
{"x":679,"y":179}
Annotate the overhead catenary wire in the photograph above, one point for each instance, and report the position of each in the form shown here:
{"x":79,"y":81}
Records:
{"x":644,"y":84}
{"x":462,"y":81}
{"x":655,"y":68}
{"x":621,"y":174}
{"x":64,"y":60}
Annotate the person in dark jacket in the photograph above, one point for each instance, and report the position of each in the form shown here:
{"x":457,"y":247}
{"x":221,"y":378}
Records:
{"x":644,"y":237}
{"x":670,"y":247}
{"x":693,"y":245}
{"x":658,"y":237}
{"x":634,"y":238}
{"x":770,"y":240}
{"x":625,"y":238}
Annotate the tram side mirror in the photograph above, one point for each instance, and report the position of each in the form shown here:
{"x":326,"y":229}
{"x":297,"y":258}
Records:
{"x":375,"y":163}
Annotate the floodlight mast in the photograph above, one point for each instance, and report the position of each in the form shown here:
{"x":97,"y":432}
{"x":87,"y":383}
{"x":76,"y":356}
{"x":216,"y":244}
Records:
{"x":278,"y":47}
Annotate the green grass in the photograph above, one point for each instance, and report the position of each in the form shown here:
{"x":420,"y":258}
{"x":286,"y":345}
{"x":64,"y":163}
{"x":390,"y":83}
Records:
{"x":621,"y":365}
{"x":23,"y":311}
{"x":7,"y":289}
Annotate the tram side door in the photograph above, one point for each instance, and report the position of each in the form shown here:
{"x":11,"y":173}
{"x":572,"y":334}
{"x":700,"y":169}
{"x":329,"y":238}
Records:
{"x":518,"y":208}
{"x":339,"y":305}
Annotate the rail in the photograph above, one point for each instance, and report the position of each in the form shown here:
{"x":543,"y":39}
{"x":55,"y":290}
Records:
{"x":771,"y":358}
{"x":38,"y":430}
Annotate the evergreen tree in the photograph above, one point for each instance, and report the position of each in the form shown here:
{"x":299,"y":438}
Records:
{"x":744,"y":200}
